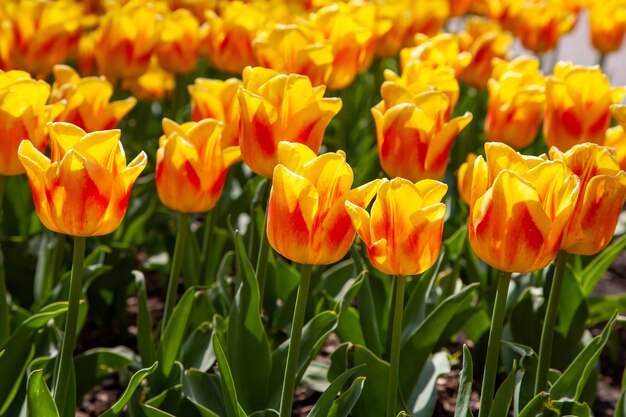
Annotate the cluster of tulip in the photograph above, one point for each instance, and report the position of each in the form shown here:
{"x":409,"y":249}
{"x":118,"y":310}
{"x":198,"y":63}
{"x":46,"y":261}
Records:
{"x":521,"y":213}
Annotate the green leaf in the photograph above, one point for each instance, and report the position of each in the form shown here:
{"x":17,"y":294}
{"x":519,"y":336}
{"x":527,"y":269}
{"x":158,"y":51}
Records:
{"x":314,"y":335}
{"x":324,"y":403}
{"x":248,"y":348}
{"x":135,"y":380}
{"x":19,"y":350}
{"x":265,"y":413}
{"x":145,"y":343}
{"x":368,"y":313}
{"x":94,"y":365}
{"x":420,"y":344}
{"x":154,"y":412}
{"x":197,"y":350}
{"x":602,"y":308}
{"x":465,"y":386}
{"x":344,"y":404}
{"x":40,"y":401}
{"x":620,"y":408}
{"x":204,"y":390}
{"x":172,"y":338}
{"x":233,"y":409}
{"x":571,"y":383}
{"x":423,"y":399}
{"x":601,"y":262}
{"x":535,"y":406}
{"x":502,"y":401}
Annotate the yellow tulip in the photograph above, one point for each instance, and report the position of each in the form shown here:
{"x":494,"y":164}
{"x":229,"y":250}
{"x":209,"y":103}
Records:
{"x":413,"y":133}
{"x":84,"y":187}
{"x":516,"y":101}
{"x":402,"y":233}
{"x":428,"y":17}
{"x":276,"y":107}
{"x":599,"y":204}
{"x":541,"y":25}
{"x":288,"y":50}
{"x":519,"y":208}
{"x":442,"y":50}
{"x":217,"y":99}
{"x":616,"y":136}
{"x":459,"y":8}
{"x":179,"y":47}
{"x":308,"y":194}
{"x":153,"y":85}
{"x":192,"y":165}
{"x":577,"y":105}
{"x":607,"y":21}
{"x":23,"y":115}
{"x":464,"y":177}
{"x":87,"y":100}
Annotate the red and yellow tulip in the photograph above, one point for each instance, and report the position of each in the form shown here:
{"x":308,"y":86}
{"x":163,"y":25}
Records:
{"x":540,"y":25}
{"x":179,"y":46}
{"x":84,"y":187}
{"x":607,"y":21}
{"x":277,"y":107}
{"x":308,"y":193}
{"x":402,"y":233}
{"x":519,"y":208}
{"x":192,"y":165}
{"x":442,"y":50}
{"x":464,"y":177}
{"x":616,"y":135}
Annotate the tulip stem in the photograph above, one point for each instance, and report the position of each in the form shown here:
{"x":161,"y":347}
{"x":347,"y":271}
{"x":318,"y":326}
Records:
{"x":206,"y":239}
{"x":602,"y":61}
{"x":394,"y":368}
{"x":289,"y":381}
{"x":547,"y":332}
{"x":65,"y":369}
{"x":177,"y":263}
{"x":5,"y":322}
{"x":493,"y":346}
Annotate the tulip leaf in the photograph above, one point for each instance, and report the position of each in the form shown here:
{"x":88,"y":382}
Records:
{"x":265,"y":413}
{"x":93,"y":366}
{"x":204,"y":391}
{"x":592,"y":273}
{"x":135,"y":380}
{"x":19,"y":349}
{"x":324,"y":403}
{"x":40,"y":401}
{"x":536,"y":405}
{"x":620,"y":408}
{"x":314,"y":335}
{"x":248,"y":348}
{"x":192,"y":262}
{"x":154,"y":412}
{"x":421,"y":343}
{"x":602,"y":308}
{"x":233,"y":409}
{"x":343,"y":405}
{"x":198,"y":350}
{"x":423,"y":399}
{"x":465,"y":386}
{"x":145,"y":343}
{"x":571,"y":383}
{"x":172,"y":338}
{"x":504,"y":395}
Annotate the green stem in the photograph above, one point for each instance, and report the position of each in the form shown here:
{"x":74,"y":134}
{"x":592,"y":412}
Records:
{"x":394,"y":368}
{"x":493,"y":347}
{"x":206,"y":239}
{"x":5,"y":323}
{"x":62,"y":380}
{"x":289,"y":381}
{"x":547,"y":333}
{"x":177,"y":264}
{"x":602,"y":61}
{"x":263,"y":257}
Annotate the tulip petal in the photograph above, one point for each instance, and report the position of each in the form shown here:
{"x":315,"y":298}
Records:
{"x":294,"y":155}
{"x":63,"y":137}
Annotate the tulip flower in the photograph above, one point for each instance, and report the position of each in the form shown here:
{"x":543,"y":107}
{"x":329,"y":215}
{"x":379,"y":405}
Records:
{"x":402,"y":235}
{"x":308,"y":193}
{"x":516,"y":101}
{"x":504,"y":11}
{"x":418,"y":76}
{"x":485,"y":41}
{"x":192,"y":165}
{"x":607,"y":21}
{"x":427,"y":17}
{"x":126,"y":40}
{"x":287,"y":49}
{"x":602,"y":193}
{"x":577,"y":105}
{"x":392,"y":39}
{"x":413,"y":134}
{"x":458,"y":8}
{"x":180,"y":42}
{"x":23,"y":115}
{"x":84,"y":187}
{"x":616,"y":136}
{"x":519,"y":208}
{"x":541,"y":25}
{"x":87,"y":99}
{"x":217,"y":99}
{"x":403,"y":232}
{"x":227,"y":38}
{"x":277,"y":107}
{"x":442,"y":50}
{"x":153,"y":85}
{"x":42,"y":33}
{"x":464,"y":177}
